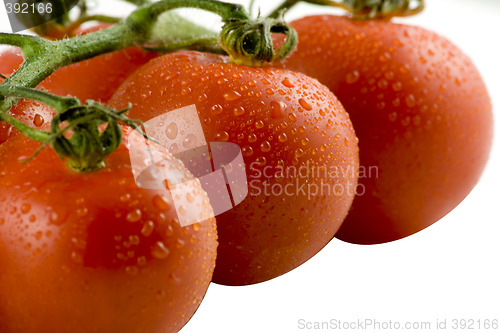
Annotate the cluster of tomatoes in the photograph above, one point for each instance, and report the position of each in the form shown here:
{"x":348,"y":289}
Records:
{"x":95,"y":252}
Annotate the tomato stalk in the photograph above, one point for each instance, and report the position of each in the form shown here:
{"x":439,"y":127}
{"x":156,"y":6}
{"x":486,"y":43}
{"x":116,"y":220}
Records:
{"x":362,"y":9}
{"x":150,"y":26}
{"x":43,"y":57}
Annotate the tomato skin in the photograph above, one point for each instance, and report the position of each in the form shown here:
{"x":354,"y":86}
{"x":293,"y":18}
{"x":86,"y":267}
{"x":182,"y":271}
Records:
{"x":421,"y":112}
{"x":76,"y":256}
{"x":95,"y":79}
{"x":278,"y":118}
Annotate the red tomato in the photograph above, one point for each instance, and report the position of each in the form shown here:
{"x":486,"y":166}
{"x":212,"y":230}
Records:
{"x":282,"y":121}
{"x":94,"y":252}
{"x":421,"y":112}
{"x":95,"y":79}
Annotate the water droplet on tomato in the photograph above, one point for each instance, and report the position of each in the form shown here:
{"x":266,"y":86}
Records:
{"x":384,"y":57}
{"x":259,"y":124}
{"x":185,"y":91}
{"x":189,"y":141}
{"x":179,"y":244}
{"x":389,"y":75}
{"x":216,"y":109}
{"x":171,"y":130}
{"x":76,"y":257}
{"x":287,"y":83}
{"x":292,"y":117}
{"x":239,"y":111}
{"x":222,"y":136}
{"x":252,"y":137}
{"x":55,"y":218}
{"x":147,"y":229}
{"x":231,"y":96}
{"x":38,"y":120}
{"x":352,"y":77}
{"x":382,"y":84}
{"x":277,"y":109}
{"x":282,"y":137}
{"x":132,"y":270}
{"x":159,"y":251}
{"x":81,"y":212}
{"x":134,"y":239}
{"x":125,"y":197}
{"x":305,"y":104}
{"x":174,"y":148}
{"x":410,"y":101}
{"x":141,"y":261}
{"x":299,"y":153}
{"x":265,"y":146}
{"x":160,"y":203}
{"x":134,"y":215}
{"x":25,"y":208}
{"x":397,"y":86}
{"x":247,"y":151}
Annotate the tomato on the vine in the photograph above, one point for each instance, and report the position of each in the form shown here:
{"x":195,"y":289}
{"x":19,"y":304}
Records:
{"x":420,"y":110}
{"x":295,"y":137}
{"x":94,"y":252}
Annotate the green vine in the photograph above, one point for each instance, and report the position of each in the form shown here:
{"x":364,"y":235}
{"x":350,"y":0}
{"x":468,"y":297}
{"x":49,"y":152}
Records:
{"x":362,"y":9}
{"x":76,"y":129}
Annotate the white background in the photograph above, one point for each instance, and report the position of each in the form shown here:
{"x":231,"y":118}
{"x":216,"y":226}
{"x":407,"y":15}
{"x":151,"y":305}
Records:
{"x":450,"y":270}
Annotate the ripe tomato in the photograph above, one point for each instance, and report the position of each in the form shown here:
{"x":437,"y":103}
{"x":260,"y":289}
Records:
{"x":95,"y":79}
{"x":94,"y":252}
{"x":421,"y":112}
{"x":282,"y":121}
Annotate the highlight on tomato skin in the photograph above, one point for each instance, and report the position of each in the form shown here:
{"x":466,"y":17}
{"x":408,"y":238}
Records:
{"x":94,"y":252}
{"x":421,"y":112}
{"x":281,"y":120}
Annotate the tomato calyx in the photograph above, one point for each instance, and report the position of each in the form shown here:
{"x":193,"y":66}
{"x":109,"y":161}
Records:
{"x":83,"y":134}
{"x":249,"y":42}
{"x":88,"y":144}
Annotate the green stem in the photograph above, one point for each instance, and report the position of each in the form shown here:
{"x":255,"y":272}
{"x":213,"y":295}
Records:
{"x":284,"y":7}
{"x":45,"y":57}
{"x":196,"y":44}
{"x":59,"y":103}
{"x":138,"y":2}
{"x":362,"y":9}
{"x":97,"y":18}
